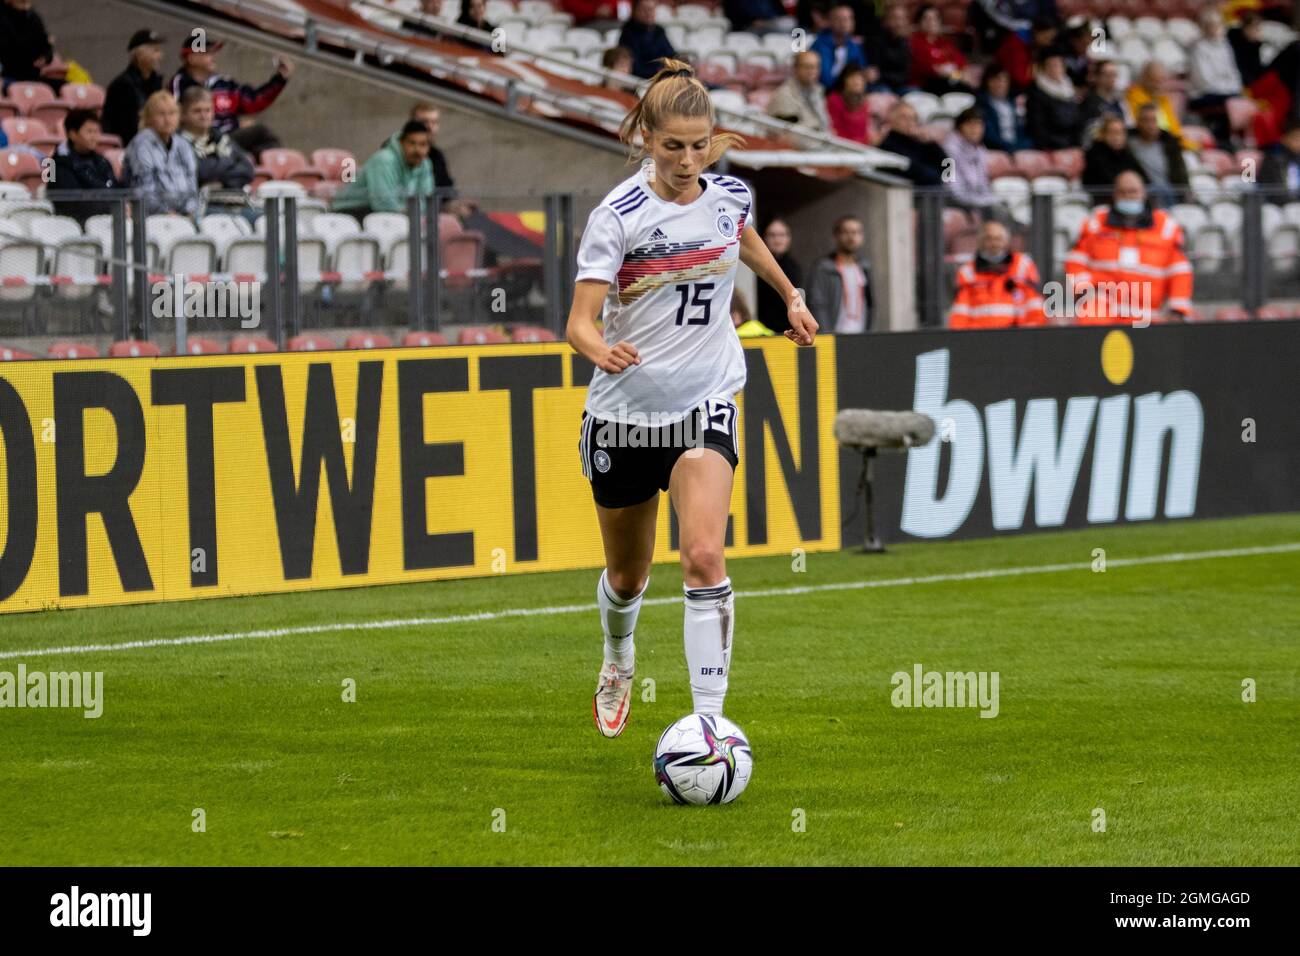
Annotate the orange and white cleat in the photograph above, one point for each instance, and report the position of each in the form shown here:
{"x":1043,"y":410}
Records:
{"x":613,"y":700}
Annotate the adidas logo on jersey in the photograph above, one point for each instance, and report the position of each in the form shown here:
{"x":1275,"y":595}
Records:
{"x":657,"y":234}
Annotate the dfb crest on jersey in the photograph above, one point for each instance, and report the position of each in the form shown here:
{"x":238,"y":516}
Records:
{"x":601,"y":458}
{"x":726,"y":226}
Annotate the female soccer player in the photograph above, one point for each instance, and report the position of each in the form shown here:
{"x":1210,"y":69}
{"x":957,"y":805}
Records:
{"x":658,"y":259}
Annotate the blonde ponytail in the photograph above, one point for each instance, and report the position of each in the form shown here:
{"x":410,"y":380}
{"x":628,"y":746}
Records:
{"x":674,"y":91}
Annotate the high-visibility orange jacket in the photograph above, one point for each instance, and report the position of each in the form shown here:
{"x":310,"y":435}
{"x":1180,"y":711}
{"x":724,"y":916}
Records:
{"x":1122,"y":269}
{"x":997,"y":299}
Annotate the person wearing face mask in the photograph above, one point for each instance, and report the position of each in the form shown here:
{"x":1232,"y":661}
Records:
{"x":999,"y":288}
{"x":1128,"y":265}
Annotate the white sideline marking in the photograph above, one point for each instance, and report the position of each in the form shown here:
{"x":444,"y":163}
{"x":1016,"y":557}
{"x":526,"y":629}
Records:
{"x":575,"y":608}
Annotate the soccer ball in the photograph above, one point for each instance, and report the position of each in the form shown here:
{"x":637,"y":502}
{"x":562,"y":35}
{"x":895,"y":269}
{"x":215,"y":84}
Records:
{"x":703,"y":758}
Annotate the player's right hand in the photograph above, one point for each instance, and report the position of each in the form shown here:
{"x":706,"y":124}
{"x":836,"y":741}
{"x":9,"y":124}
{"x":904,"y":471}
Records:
{"x":621,"y":356}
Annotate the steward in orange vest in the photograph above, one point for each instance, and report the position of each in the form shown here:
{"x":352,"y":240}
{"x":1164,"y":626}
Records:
{"x":998,"y":288}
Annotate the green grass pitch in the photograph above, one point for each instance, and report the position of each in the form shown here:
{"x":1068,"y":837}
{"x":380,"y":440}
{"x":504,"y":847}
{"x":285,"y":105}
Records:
{"x":1119,"y":690}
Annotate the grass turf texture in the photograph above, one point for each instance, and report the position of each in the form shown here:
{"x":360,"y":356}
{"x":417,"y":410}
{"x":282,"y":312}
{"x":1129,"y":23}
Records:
{"x":1120,"y":690}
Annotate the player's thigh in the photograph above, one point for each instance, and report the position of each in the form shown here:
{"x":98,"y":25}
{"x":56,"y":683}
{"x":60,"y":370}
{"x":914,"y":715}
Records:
{"x":700,"y":487}
{"x":629,"y":538}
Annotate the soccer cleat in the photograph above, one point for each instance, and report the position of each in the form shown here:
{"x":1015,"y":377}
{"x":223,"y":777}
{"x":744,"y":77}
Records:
{"x":613,"y":700}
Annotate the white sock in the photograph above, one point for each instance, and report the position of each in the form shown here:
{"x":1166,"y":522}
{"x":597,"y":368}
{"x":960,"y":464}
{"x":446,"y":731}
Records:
{"x":710,"y":619}
{"x":618,"y":619}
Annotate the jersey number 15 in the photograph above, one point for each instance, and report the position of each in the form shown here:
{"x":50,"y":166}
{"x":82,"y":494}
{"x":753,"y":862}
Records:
{"x":694,"y":299}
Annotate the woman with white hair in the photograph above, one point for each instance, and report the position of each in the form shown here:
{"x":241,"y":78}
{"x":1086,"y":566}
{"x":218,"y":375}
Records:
{"x":1212,"y":76}
{"x":160,"y":162}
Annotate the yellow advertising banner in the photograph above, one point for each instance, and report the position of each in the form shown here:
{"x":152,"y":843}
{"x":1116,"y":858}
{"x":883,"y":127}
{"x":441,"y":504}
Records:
{"x":136,"y":480}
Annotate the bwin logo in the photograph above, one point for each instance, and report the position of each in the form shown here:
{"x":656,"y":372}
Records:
{"x":1048,"y":459}
{"x":102,"y":909}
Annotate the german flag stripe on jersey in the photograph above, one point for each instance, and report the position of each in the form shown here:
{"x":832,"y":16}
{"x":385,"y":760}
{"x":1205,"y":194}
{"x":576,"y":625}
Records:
{"x":652,"y":267}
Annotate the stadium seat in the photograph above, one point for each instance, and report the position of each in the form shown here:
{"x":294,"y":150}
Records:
{"x":133,"y":348}
{"x":480,"y":335}
{"x":1276,"y":312}
{"x":1032,"y":163}
{"x":388,"y":228}
{"x":200,"y":346}
{"x":251,"y":343}
{"x":20,"y":167}
{"x":13,"y":355}
{"x":414,"y":340}
{"x":283,"y":163}
{"x":191,"y":256}
{"x":368,"y":340}
{"x":1068,"y":162}
{"x":86,"y":96}
{"x":246,"y":257}
{"x":21,"y":262}
{"x":531,"y":333}
{"x":72,"y":350}
{"x":28,"y":96}
{"x":1231,"y":313}
{"x":311,"y":342}
{"x":23,"y":129}
{"x":332,"y":162}
{"x":1000,"y":164}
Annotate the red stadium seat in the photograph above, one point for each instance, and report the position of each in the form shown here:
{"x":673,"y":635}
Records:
{"x":251,"y":343}
{"x":131,"y":348}
{"x":282,"y":163}
{"x":1231,"y":313}
{"x":109,"y":141}
{"x":325,"y":189}
{"x":28,"y":96}
{"x":1000,"y":164}
{"x":1068,"y":162}
{"x":368,"y":340}
{"x":1219,"y":161}
{"x":199,"y":346}
{"x":1274,"y":312}
{"x":23,"y":129}
{"x":73,"y":350}
{"x":20,"y":167}
{"x":8,"y":108}
{"x":310,"y":342}
{"x":13,"y":355}
{"x":416,"y":340}
{"x":1032,"y":163}
{"x":86,"y":96}
{"x":332,"y":161}
{"x":532,"y":333}
{"x":480,"y":335}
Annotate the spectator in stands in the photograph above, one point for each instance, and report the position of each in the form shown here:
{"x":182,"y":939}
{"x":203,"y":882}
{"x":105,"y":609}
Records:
{"x":968,"y":186}
{"x":595,"y":14}
{"x":1128,"y":264}
{"x":756,"y":16}
{"x":1004,"y":127}
{"x":840,"y":285}
{"x":889,"y":50}
{"x":4,"y":140}
{"x":772,"y":310}
{"x":847,"y":106}
{"x":837,"y":47}
{"x":998,"y":288}
{"x":160,"y":163}
{"x":1104,"y":99}
{"x":937,"y":64}
{"x":1075,"y":44}
{"x":995,"y":18}
{"x":400,"y":169}
{"x":1212,"y":77}
{"x":78,"y":165}
{"x":1277,"y":95}
{"x":906,"y":138}
{"x":431,"y":117}
{"x":801,"y":99}
{"x":25,"y":47}
{"x":1019,"y":54}
{"x":430,"y":8}
{"x":126,"y":95}
{"x":1152,"y":87}
{"x":746,"y":326}
{"x":1160,"y":155}
{"x":1280,"y":173}
{"x":646,"y":40}
{"x":1247,"y":47}
{"x":1052,"y":109}
{"x":230,"y":98}
{"x":1107,"y":157}
{"x":617,"y":59}
{"x":473,"y":13}
{"x":218,"y":159}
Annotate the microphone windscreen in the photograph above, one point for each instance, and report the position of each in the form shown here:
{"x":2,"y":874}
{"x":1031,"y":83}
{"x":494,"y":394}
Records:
{"x":865,"y":428}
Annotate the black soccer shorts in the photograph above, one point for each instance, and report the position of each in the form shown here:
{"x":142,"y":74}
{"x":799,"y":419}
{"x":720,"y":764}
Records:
{"x":629,"y":464}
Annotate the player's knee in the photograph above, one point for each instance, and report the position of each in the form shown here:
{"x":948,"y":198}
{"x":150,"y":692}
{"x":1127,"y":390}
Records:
{"x":703,"y":564}
{"x":626,"y":584}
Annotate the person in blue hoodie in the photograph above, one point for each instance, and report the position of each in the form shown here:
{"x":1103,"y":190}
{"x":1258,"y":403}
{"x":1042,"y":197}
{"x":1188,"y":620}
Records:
{"x":1004,"y":127}
{"x":837,"y":48}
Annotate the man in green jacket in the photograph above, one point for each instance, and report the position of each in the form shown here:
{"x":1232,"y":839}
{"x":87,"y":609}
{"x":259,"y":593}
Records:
{"x":400,"y":169}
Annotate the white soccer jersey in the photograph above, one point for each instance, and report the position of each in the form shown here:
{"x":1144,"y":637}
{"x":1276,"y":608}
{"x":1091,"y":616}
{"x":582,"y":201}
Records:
{"x":671,"y":270}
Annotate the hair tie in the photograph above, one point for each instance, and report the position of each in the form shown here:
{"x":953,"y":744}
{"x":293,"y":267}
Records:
{"x":687,"y":72}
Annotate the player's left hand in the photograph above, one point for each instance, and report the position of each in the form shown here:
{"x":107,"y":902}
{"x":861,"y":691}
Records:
{"x":803,"y":327}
